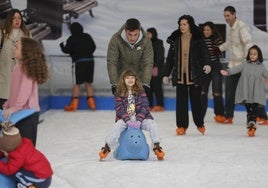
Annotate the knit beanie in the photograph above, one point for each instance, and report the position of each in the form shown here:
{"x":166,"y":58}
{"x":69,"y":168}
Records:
{"x":10,"y":139}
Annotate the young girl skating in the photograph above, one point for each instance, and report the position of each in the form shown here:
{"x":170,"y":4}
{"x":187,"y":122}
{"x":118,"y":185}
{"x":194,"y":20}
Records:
{"x":132,"y":109}
{"x":250,"y":89}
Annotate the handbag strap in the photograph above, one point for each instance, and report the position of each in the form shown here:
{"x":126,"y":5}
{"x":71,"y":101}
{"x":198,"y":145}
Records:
{"x":2,"y":41}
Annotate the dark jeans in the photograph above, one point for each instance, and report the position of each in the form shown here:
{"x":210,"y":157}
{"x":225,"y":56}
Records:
{"x":183,"y":93}
{"x":230,"y":88}
{"x":157,"y":90}
{"x":261,"y":112}
{"x":28,"y":127}
{"x":216,"y":78}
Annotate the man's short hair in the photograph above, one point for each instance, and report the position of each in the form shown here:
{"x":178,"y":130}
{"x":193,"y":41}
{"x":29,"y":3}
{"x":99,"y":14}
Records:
{"x":132,"y":24}
{"x":230,"y":9}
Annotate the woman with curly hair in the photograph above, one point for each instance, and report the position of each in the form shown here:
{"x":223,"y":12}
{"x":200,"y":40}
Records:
{"x":29,"y":71}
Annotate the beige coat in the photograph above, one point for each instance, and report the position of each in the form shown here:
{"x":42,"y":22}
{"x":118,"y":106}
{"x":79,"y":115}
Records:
{"x":238,"y":40}
{"x":7,"y":63}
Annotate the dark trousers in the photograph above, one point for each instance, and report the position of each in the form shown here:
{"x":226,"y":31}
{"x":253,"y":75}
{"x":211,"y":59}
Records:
{"x":27,"y":178}
{"x":230,"y":88}
{"x":251,"y":112}
{"x":28,"y":127}
{"x":215,"y":78}
{"x":261,"y":112}
{"x":183,"y":93}
{"x":157,"y":90}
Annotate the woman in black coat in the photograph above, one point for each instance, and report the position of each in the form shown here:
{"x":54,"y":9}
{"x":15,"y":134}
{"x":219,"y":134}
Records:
{"x":187,"y":61}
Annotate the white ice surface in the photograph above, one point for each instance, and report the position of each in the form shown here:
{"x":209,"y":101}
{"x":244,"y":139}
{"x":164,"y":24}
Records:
{"x":225,"y":157}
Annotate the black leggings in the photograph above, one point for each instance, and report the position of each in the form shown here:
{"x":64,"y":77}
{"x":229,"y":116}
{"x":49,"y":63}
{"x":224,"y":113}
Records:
{"x":252,"y":110}
{"x":28,"y":127}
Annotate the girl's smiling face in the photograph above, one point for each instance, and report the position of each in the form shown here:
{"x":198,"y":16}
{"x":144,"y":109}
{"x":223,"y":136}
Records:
{"x":130,"y":81}
{"x":207,"y":31}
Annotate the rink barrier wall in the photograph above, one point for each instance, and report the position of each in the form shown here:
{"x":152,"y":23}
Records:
{"x":55,"y":94}
{"x":106,"y":103}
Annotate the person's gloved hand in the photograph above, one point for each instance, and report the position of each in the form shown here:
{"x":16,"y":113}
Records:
{"x":216,"y":51}
{"x":224,"y":72}
{"x":146,"y":88}
{"x":155,"y":71}
{"x":134,"y":124}
{"x":113,"y":88}
{"x":206,"y":69}
{"x":7,"y":113}
{"x":165,"y":80}
{"x":61,"y":45}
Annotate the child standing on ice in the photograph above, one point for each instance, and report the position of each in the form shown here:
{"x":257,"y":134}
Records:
{"x":250,"y":89}
{"x":132,"y":109}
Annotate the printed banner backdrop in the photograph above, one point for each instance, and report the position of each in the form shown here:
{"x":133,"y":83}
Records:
{"x":109,"y":15}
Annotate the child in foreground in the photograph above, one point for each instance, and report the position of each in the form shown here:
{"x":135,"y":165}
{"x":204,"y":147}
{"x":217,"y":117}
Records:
{"x":250,"y":89}
{"x":132,"y":110}
{"x":23,"y":162}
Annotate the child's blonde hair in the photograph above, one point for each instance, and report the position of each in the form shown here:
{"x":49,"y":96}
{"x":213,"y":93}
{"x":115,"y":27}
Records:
{"x":122,"y":88}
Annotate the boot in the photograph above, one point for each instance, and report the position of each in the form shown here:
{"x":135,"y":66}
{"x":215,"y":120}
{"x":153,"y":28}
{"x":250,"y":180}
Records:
{"x":226,"y":120}
{"x":158,"y":151}
{"x":91,"y":103}
{"x":202,"y":129}
{"x":72,"y":106}
{"x":181,"y":131}
{"x":219,"y":118}
{"x":262,"y":121}
{"x":31,"y":186}
{"x":104,"y":151}
{"x":251,"y":130}
{"x":158,"y":109}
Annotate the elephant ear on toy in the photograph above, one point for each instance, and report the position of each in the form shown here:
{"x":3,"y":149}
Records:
{"x":132,"y":145}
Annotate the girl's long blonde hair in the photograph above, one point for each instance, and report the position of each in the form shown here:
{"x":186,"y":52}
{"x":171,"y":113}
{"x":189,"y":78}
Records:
{"x":122,"y":90}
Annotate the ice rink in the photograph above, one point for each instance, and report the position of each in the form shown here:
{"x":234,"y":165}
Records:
{"x":224,"y":157}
